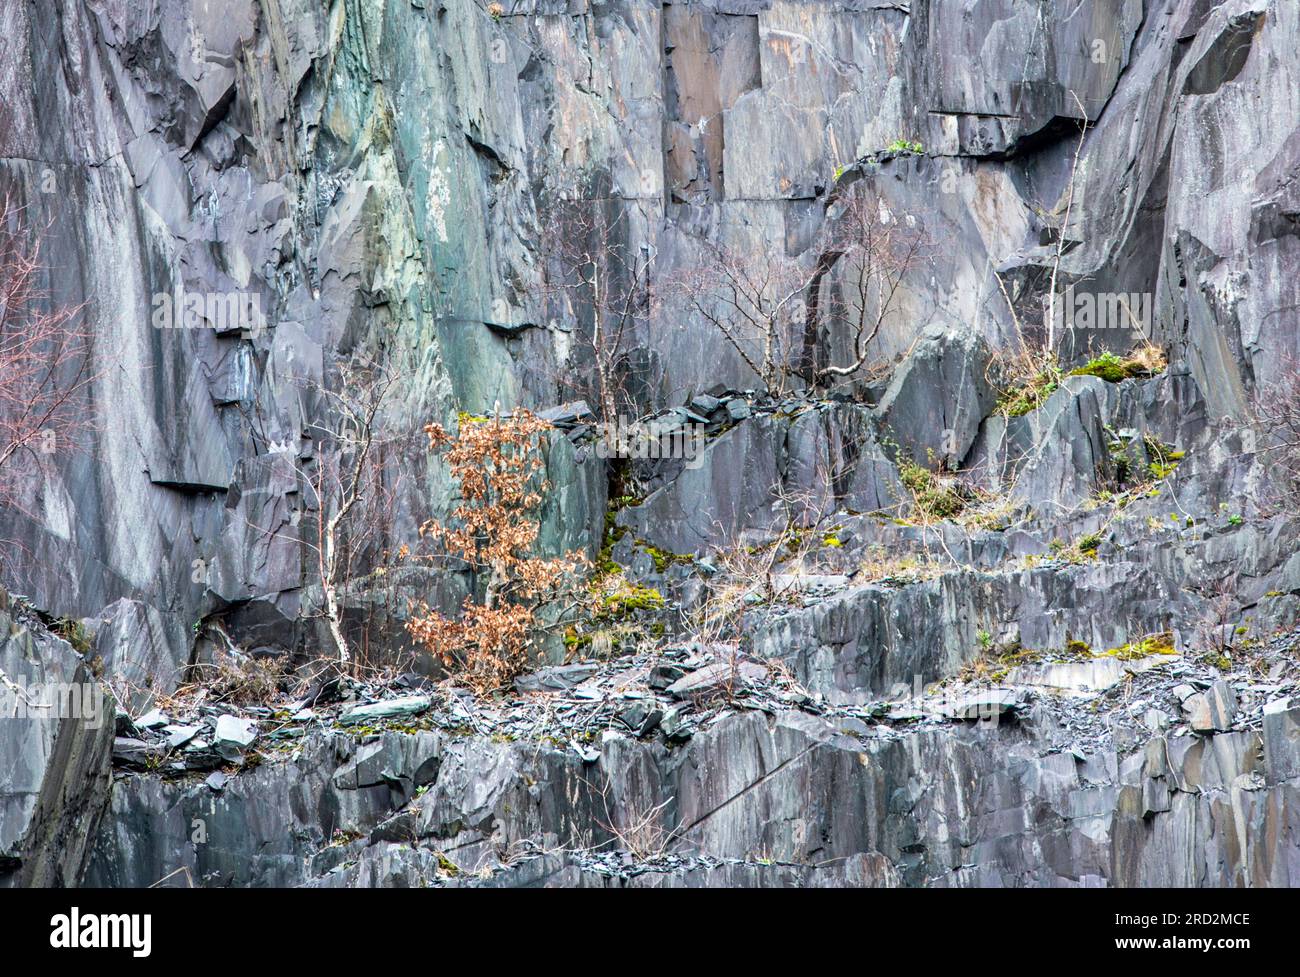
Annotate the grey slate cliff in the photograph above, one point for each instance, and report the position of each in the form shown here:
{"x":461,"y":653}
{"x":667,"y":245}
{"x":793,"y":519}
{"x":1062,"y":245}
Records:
{"x":378,"y":177}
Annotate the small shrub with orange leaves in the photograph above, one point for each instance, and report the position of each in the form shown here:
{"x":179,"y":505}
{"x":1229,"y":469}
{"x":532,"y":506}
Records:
{"x":498,"y":463}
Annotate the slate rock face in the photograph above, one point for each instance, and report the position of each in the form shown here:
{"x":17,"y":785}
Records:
{"x":938,"y":397}
{"x":708,"y":501}
{"x":135,"y":643}
{"x":56,"y":736}
{"x":381,"y":180}
{"x":731,"y":130}
{"x":812,"y":794}
{"x":822,"y":459}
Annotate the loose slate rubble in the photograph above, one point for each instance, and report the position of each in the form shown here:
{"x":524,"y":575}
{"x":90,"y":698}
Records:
{"x":1102,"y":742}
{"x":153,"y":719}
{"x":556,"y":678}
{"x":986,"y":706}
{"x":634,"y":694}
{"x":178,"y":736}
{"x":134,"y":753}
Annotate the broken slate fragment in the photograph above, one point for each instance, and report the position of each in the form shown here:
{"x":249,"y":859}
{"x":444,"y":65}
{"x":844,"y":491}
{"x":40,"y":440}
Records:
{"x":154,"y":719}
{"x":674,"y":726}
{"x":986,"y":705}
{"x":716,"y":677}
{"x":409,"y":705}
{"x":662,"y":676}
{"x":1155,"y":720}
{"x":1212,"y":710}
{"x":132,"y":752}
{"x":640,"y":719}
{"x":233,"y":735}
{"x":216,"y":780}
{"x":633,"y":717}
{"x":1277,"y":706}
{"x":586,"y":753}
{"x":178,"y":736}
{"x":705,"y":404}
{"x":737,"y":409}
{"x":570,"y":413}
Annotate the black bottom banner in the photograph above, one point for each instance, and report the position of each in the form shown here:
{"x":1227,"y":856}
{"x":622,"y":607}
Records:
{"x":171,"y":927}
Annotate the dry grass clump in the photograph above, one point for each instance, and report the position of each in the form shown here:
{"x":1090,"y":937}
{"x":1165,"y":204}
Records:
{"x":1026,"y":378}
{"x":747,"y":576}
{"x":1149,"y":358}
{"x":639,"y":828}
{"x":991,"y":513}
{"x":878,"y":566}
{"x":255,"y":681}
{"x":238,"y":679}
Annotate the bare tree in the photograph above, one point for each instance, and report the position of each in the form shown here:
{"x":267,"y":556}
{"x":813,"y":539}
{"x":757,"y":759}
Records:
{"x":639,"y":829}
{"x":754,"y":304}
{"x":874,"y":250}
{"x":593,"y":266}
{"x":1065,"y":226}
{"x":45,"y":358}
{"x":349,"y":484}
{"x":1036,"y":353}
{"x":1029,"y":372}
{"x":773,"y":312}
{"x":1277,"y":412}
{"x":353,"y":482}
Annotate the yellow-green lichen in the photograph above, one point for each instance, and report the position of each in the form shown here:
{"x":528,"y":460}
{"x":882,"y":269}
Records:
{"x":1154,"y":644}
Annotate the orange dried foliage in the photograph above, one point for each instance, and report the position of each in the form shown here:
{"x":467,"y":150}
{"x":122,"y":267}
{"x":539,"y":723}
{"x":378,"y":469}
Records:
{"x":497,"y":462}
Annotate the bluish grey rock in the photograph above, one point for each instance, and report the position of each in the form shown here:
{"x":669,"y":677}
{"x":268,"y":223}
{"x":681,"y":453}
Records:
{"x":938,"y":396}
{"x":409,"y":705}
{"x":56,"y":745}
{"x":234,"y":734}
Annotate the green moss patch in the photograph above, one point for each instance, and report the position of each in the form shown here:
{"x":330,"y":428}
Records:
{"x":1155,"y":644}
{"x":1114,"y":368}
